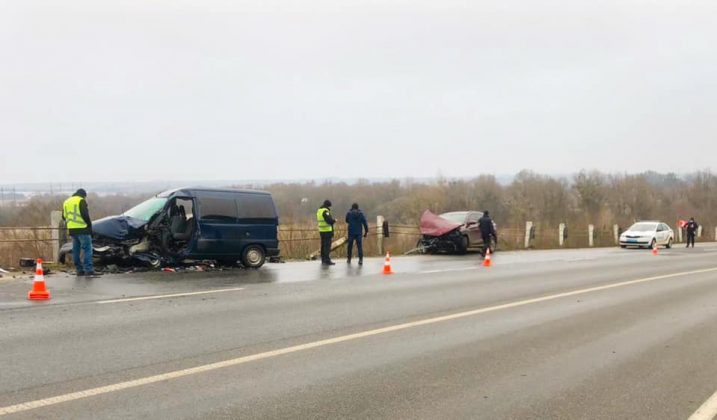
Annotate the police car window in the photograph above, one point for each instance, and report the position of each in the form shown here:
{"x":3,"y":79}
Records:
{"x":217,"y":209}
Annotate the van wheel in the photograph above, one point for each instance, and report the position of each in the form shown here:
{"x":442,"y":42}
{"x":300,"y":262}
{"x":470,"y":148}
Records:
{"x":253,"y":256}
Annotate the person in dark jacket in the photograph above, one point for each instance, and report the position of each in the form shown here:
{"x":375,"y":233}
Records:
{"x":691,"y":228}
{"x":358,"y":229}
{"x":326,"y":231}
{"x":76,"y":215}
{"x":487,"y":231}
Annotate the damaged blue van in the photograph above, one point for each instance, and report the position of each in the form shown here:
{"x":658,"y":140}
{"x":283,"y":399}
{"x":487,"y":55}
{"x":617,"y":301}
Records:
{"x":188,"y":224}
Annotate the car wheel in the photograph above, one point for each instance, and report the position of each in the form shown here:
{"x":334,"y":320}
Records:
{"x":253,"y":256}
{"x":653,"y":244}
{"x":623,"y":246}
{"x":669,"y":244}
{"x":465,"y":244}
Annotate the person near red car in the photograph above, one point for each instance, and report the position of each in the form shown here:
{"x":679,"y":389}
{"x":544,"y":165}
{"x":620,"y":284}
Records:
{"x":487,"y":231}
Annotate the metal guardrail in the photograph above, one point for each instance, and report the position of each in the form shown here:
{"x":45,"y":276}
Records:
{"x":398,"y":229}
{"x":9,"y":241}
{"x":8,"y":228}
{"x":313,"y":237}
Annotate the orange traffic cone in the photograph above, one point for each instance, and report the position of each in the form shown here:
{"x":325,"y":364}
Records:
{"x":654,"y":249}
{"x":387,"y":264}
{"x":38,"y":292}
{"x":486,"y":260}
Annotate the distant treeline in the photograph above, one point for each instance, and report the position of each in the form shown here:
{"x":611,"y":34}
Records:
{"x":587,"y":197}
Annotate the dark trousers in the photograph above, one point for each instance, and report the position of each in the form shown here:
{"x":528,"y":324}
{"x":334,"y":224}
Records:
{"x":486,"y":243}
{"x":690,"y":239}
{"x":326,"y":246}
{"x":359,"y":246}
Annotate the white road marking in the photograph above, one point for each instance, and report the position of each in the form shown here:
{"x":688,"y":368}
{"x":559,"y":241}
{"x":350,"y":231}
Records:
{"x":31,"y":405}
{"x":707,"y":411}
{"x":205,"y":292}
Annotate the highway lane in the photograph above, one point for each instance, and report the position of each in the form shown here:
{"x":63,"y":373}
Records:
{"x":642,"y":350}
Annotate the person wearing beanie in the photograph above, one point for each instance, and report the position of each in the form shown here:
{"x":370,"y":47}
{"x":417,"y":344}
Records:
{"x":326,"y":231}
{"x":487,"y":231}
{"x":76,"y":215}
{"x":358,"y":229}
{"x":691,"y":228}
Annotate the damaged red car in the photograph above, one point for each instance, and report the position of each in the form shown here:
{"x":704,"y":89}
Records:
{"x":452,"y":232}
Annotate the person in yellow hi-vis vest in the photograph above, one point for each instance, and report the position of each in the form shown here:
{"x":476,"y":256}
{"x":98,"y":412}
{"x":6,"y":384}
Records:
{"x":77,"y":218}
{"x":326,"y":231}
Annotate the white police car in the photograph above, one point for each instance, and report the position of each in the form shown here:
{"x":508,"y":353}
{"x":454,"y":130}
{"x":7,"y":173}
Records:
{"x":647,"y":234}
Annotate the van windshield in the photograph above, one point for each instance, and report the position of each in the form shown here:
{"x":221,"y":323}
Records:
{"x":146,"y":209}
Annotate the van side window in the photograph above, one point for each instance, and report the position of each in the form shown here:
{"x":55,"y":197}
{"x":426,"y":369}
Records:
{"x":217,"y":209}
{"x":256,"y":206}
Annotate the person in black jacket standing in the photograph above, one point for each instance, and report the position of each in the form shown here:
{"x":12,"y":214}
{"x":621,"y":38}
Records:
{"x":691,"y":228}
{"x":487,"y":231}
{"x":358,"y":229}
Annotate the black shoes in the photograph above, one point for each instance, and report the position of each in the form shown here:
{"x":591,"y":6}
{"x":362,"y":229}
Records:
{"x":360,"y":261}
{"x":88,"y":274}
{"x":328,"y":263}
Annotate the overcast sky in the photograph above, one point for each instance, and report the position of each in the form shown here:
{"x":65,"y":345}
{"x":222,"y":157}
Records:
{"x":258,"y":89}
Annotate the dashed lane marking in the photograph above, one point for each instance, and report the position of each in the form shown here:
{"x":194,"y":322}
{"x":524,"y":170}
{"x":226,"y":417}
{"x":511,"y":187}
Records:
{"x":707,"y":411}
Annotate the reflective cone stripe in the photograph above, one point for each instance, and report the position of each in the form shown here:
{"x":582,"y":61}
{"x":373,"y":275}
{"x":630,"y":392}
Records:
{"x":486,"y":260}
{"x":387,"y":264}
{"x":39,"y":291}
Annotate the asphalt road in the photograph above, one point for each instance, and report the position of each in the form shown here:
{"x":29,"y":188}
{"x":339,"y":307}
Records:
{"x":570,"y":334}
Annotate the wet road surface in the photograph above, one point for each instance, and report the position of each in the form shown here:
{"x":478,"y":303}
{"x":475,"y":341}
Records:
{"x":600,"y":333}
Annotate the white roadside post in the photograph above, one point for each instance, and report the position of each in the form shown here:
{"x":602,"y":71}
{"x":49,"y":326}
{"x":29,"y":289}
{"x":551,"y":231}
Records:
{"x":561,"y":234}
{"x":679,"y":234}
{"x":55,"y":222}
{"x":591,"y":232}
{"x":616,"y":234}
{"x":699,"y":231}
{"x":379,"y":234}
{"x":528,"y":228}
{"x":716,"y":234}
